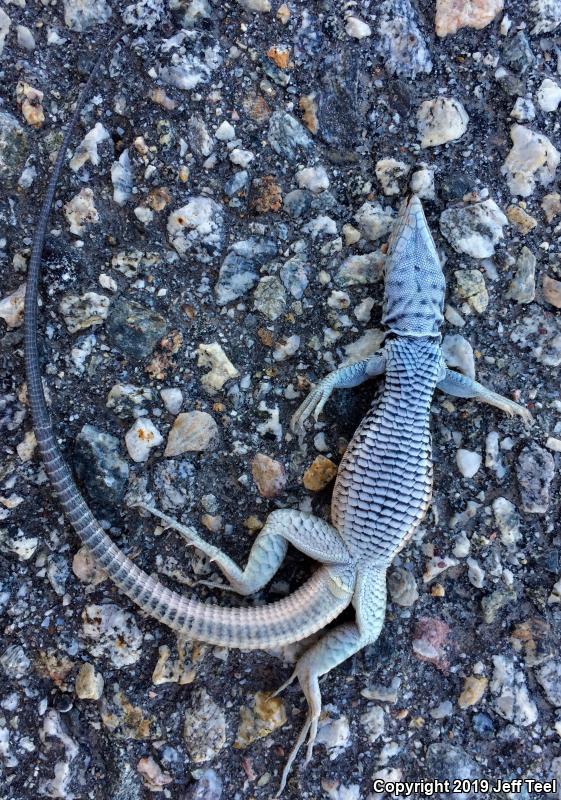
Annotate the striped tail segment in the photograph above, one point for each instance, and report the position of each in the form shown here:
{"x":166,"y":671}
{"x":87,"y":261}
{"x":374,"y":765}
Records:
{"x":305,"y":611}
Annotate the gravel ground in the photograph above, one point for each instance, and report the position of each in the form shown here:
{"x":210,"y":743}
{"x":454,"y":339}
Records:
{"x":218,"y":245}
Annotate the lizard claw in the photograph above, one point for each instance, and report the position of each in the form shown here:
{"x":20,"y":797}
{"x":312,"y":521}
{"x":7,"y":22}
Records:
{"x":284,"y":686}
{"x":312,"y":405}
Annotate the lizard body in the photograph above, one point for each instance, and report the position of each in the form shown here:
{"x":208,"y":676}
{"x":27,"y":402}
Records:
{"x":382,"y":491}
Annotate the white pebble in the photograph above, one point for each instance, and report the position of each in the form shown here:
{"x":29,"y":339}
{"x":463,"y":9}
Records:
{"x":286,"y":349}
{"x":351,"y":234}
{"x":523,"y":110}
{"x":458,"y":354}
{"x":338,"y":300}
{"x":468,"y":462}
{"x":241,"y":157}
{"x":107,"y":282}
{"x":461,"y":546}
{"x":357,"y":28}
{"x":141,"y":438}
{"x":492,"y":456}
{"x":507,"y":520}
{"x":476,"y":575}
{"x":172,"y":399}
{"x":549,"y":95}
{"x":364,"y":309}
{"x":25,"y":38}
{"x":225,"y":132}
{"x":441,"y":120}
{"x":313,"y":178}
{"x":144,"y":214}
{"x":422,"y":182}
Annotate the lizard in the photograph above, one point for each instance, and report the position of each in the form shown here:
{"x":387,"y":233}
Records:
{"x":382,"y":490}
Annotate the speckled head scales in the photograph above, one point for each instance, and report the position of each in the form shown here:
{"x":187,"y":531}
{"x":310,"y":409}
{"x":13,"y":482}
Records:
{"x":414,"y":286}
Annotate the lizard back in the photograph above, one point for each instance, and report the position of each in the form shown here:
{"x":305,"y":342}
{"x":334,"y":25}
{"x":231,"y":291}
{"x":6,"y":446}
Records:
{"x":384,"y":484}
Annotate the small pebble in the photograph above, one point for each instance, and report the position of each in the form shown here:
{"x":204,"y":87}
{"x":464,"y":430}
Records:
{"x":552,"y":291}
{"x":319,"y":474}
{"x":357,"y":28}
{"x":441,"y":120}
{"x":468,"y":462}
{"x":549,"y":95}
{"x":472,"y":691}
{"x":269,"y":475}
{"x":172,"y":399}
{"x":532,"y":160}
{"x":141,"y":438}
{"x":523,"y":286}
{"x":89,"y":683}
{"x":192,"y":431}
{"x":314,"y":179}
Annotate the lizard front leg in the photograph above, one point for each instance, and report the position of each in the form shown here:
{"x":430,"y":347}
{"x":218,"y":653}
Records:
{"x":457,"y":385}
{"x":309,"y":534}
{"x":343,"y":378}
{"x":342,"y":642}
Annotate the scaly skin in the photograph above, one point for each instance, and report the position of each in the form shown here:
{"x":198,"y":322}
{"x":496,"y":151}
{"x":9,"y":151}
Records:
{"x":382,"y":491}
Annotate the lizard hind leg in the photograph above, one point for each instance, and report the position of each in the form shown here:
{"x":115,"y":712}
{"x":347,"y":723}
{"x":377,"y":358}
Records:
{"x":338,"y":645}
{"x":311,"y":535}
{"x":369,"y":600}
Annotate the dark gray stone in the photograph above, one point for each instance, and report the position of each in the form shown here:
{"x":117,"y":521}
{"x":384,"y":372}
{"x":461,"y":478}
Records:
{"x":99,"y":466}
{"x":13,"y":148}
{"x":534,"y":471}
{"x":134,"y":329}
{"x":287,"y":137}
{"x":517,"y":54}
{"x":240,"y":269}
{"x":236,"y":183}
{"x":297,"y":202}
{"x":446,"y":762}
{"x":294,"y":275}
{"x":549,"y":678}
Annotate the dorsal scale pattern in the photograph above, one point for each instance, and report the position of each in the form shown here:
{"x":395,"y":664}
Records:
{"x":384,"y":484}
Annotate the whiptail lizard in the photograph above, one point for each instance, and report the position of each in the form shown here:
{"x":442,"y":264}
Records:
{"x":381,"y":494}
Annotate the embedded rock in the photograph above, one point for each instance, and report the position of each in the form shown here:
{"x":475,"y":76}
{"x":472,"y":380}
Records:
{"x":374,"y":221}
{"x":269,"y":475}
{"x":13,"y":147}
{"x":400,"y":42}
{"x":240,"y":269}
{"x":287,"y":137}
{"x":113,"y":633}
{"x":11,"y":307}
{"x":79,"y":15}
{"x":549,"y":95}
{"x":99,"y":465}
{"x":133,"y":328}
{"x":535,"y":470}
{"x":474,"y":229}
{"x":197,"y":229}
{"x":451,"y":15}
{"x":83,"y":312}
{"x":532,"y":161}
{"x":441,"y":120}
{"x":193,"y":431}
{"x":221,"y":368}
{"x":523,"y":286}
{"x":546,"y":15}
{"x":141,"y":438}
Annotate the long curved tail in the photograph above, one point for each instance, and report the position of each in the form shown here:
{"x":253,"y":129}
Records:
{"x":305,"y":611}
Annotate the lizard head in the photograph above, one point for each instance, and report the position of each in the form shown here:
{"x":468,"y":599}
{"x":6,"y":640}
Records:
{"x":414,"y":281}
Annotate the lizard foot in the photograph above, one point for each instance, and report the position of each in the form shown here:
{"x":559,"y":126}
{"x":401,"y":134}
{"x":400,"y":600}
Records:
{"x":190,"y":535}
{"x":310,"y":686}
{"x":313,"y":404}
